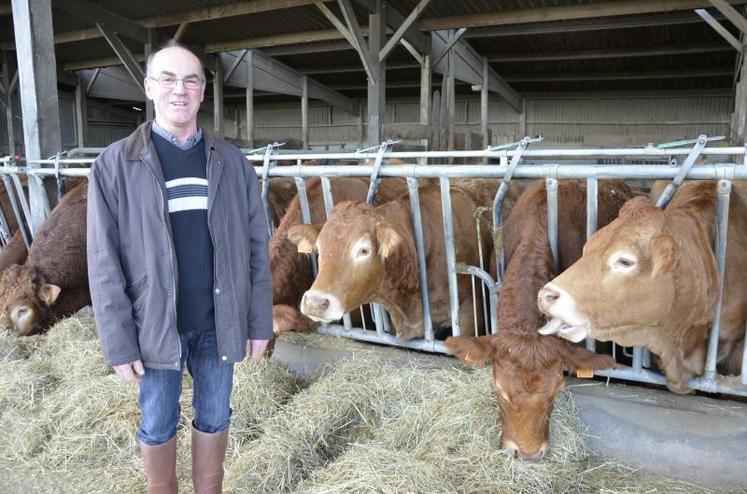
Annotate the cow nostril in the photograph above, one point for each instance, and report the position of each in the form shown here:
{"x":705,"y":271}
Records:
{"x":548,"y":295}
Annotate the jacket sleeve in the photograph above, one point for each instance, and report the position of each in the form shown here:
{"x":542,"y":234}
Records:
{"x":111,"y":305}
{"x":260,"y":308}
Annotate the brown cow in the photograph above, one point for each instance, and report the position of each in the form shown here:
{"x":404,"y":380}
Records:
{"x":291,"y":270}
{"x":650,"y":279}
{"x":54,"y":282}
{"x":367,"y":254}
{"x":528,"y":367}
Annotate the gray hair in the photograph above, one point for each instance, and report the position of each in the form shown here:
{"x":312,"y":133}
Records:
{"x":172,"y":43}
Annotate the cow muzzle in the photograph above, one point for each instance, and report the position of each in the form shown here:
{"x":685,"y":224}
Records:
{"x":22,"y":318}
{"x":513,"y":450}
{"x":566,"y":321}
{"x":320,"y":306}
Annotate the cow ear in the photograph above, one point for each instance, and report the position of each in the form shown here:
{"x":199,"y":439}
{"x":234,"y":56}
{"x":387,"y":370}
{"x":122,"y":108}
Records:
{"x":664,"y":254}
{"x":633,"y":205}
{"x":577,"y":357}
{"x":474,"y":351}
{"x":304,"y":237}
{"x":388,"y":239}
{"x":49,"y":293}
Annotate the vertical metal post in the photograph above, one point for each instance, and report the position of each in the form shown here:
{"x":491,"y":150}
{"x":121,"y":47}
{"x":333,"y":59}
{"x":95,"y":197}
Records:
{"x":305,"y":112}
{"x":417,"y":230}
{"x":249,"y":99}
{"x":722,"y":230}
{"x":37,"y":78}
{"x":551,"y":184}
{"x":450,"y":254}
{"x":592,"y":199}
{"x":303,"y":201}
{"x":20,"y":218}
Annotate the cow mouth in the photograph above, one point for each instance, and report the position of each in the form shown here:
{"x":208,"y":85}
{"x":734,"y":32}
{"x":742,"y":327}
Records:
{"x":571,"y":332}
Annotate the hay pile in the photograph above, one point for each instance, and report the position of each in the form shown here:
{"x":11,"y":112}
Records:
{"x":363,"y":425}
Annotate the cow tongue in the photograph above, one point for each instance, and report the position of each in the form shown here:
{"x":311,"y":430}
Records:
{"x":561,"y":328}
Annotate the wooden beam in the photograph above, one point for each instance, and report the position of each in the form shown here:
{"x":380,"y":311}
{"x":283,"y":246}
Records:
{"x":394,"y":19}
{"x":453,"y":38}
{"x":81,"y":112}
{"x":250,"y":99}
{"x":621,"y":76}
{"x":403,"y":27}
{"x":582,"y":25}
{"x":586,"y":11}
{"x":284,"y":51}
{"x":246,"y":7}
{"x":8,"y":61}
{"x":180,"y":31}
{"x":732,"y":14}
{"x":124,"y":54}
{"x":97,"y":14}
{"x":337,"y":23}
{"x":601,"y":54}
{"x":98,"y":63}
{"x":341,"y":69}
{"x":360,"y":45}
{"x":305,"y":112}
{"x":716,"y":25}
{"x":276,"y":40}
{"x":218,"y":98}
{"x":235,"y":65}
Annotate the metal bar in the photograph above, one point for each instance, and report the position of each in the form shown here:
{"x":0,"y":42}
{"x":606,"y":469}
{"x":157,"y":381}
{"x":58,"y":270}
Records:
{"x":493,"y":288}
{"x":17,"y":211}
{"x":670,"y":190}
{"x":388,"y":339}
{"x":4,"y":228}
{"x":303,"y":201}
{"x":450,"y":254}
{"x":592,"y":203}
{"x":551,"y":184}
{"x":722,"y":230}
{"x":417,"y":230}
{"x":374,"y":180}
{"x":266,"y":189}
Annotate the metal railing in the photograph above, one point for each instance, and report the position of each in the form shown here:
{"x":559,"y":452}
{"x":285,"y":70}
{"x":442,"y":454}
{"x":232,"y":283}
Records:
{"x":548,"y":164}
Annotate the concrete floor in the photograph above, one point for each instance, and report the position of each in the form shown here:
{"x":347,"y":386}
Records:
{"x":692,"y":438}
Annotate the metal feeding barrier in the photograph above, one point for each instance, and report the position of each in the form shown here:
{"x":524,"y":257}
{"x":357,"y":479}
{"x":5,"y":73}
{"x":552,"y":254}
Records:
{"x":514,"y":160}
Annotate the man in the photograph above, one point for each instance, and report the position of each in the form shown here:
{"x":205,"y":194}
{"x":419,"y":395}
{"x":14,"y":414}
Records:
{"x":179,"y":270}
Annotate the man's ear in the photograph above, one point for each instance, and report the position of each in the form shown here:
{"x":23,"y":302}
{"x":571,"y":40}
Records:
{"x":304,"y":237}
{"x":388,"y":239}
{"x":49,"y":293}
{"x":664,"y":254}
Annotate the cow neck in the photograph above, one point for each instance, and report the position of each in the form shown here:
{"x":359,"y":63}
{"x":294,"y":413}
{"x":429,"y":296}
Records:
{"x":529,"y":269}
{"x":406,"y":313}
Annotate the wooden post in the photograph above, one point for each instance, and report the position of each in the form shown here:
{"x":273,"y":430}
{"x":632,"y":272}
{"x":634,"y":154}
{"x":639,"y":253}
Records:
{"x":81,"y":111}
{"x":484,"y":101}
{"x":376,"y":87}
{"x":9,"y":108}
{"x":425,"y":98}
{"x":37,"y":81}
{"x":218,"y":97}
{"x":150,"y":47}
{"x":305,"y":111}
{"x":249,"y":100}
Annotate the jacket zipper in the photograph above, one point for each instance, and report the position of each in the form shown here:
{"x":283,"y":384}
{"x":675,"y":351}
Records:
{"x":171,"y":260}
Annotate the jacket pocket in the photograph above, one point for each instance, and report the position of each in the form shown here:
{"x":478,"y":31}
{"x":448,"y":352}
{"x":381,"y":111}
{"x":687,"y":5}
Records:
{"x":136,"y":294}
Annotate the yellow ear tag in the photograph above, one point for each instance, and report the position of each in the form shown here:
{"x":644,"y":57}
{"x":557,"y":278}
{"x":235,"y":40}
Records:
{"x":584,"y":373}
{"x":305,"y":247}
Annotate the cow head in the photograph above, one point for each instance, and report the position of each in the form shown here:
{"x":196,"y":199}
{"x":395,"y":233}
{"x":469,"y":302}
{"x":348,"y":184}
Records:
{"x":625,"y":280}
{"x":361,"y":255}
{"x":528,"y":374}
{"x":25,"y":298}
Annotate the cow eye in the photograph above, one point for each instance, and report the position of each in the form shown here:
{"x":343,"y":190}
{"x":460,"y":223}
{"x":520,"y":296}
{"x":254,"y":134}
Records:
{"x":624,"y":263}
{"x":364,"y":251}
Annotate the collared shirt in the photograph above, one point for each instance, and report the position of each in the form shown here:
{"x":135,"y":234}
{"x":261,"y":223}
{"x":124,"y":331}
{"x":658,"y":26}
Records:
{"x":169,"y":136}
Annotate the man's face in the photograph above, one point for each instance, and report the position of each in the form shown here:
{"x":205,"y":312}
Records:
{"x":176,"y":107}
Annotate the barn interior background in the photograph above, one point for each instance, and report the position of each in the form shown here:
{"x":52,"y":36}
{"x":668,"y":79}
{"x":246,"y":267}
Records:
{"x":347,"y":74}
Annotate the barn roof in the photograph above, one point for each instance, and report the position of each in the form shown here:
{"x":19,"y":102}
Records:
{"x":536,"y":46}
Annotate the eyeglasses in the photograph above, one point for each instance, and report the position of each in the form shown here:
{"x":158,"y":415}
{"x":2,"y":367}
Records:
{"x":169,"y":81}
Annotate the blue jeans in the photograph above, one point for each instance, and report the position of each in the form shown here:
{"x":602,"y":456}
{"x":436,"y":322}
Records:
{"x":160,"y":390}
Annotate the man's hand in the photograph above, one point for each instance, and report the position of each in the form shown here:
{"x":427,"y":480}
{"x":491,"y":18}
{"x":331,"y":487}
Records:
{"x":256,"y":348}
{"x":130,"y":372}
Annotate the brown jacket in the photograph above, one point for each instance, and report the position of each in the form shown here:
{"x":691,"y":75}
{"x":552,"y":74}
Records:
{"x":132,"y":265}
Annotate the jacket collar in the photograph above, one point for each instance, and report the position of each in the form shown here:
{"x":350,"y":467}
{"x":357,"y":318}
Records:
{"x":139,"y":141}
